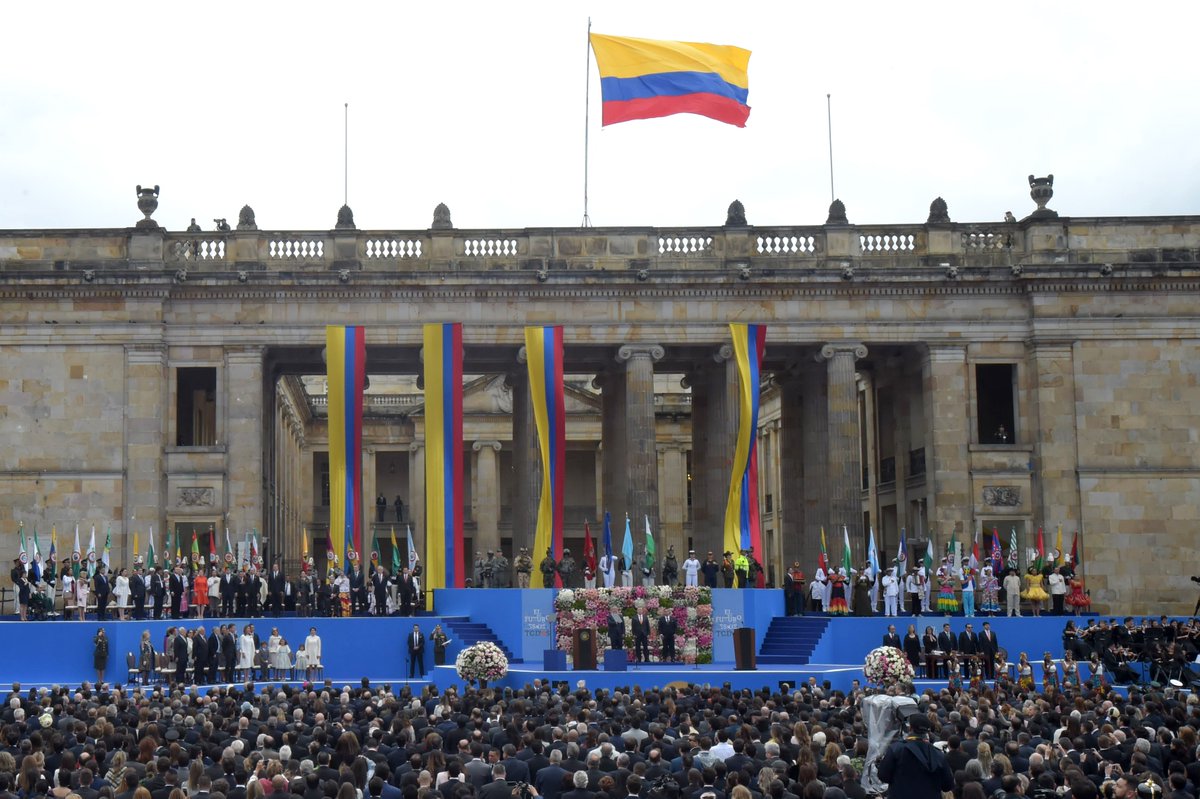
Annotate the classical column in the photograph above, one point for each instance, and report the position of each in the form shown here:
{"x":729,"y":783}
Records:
{"x":641,"y":455}
{"x":1056,"y":487}
{"x":714,"y":440}
{"x":612,"y":442}
{"x":866,"y":389}
{"x":145,"y":414}
{"x":673,"y":499}
{"x":814,"y":412}
{"x":844,"y":445}
{"x":244,"y":436}
{"x":415,"y":512}
{"x":370,"y":485}
{"x":790,"y":507}
{"x":947,"y":468}
{"x":599,"y":470}
{"x":526,"y":459}
{"x":487,"y":496}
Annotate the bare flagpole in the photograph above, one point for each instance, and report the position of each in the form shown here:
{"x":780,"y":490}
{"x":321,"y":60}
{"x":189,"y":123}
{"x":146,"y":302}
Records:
{"x":829,"y":121}
{"x":346,"y":155}
{"x":587,"y":108}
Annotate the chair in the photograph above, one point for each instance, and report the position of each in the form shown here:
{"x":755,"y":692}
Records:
{"x":131,"y":669}
{"x":164,"y":667}
{"x":261,"y":665}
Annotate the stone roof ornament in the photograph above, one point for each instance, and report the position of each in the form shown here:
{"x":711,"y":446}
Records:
{"x":1041,"y":190}
{"x":837,"y":214}
{"x":736,"y":215}
{"x":246,"y":219}
{"x":345,"y":219}
{"x":147,"y":203}
{"x":939,"y":212}
{"x":441,"y":218}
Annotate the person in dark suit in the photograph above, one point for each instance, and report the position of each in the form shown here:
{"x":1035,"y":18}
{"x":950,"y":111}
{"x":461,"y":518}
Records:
{"x":416,"y":653}
{"x":968,"y":645}
{"x":947,"y":640}
{"x":137,"y":591}
{"x":200,"y":662}
{"x":892,"y":638}
{"x":253,"y":592}
{"x":929,"y":642}
{"x":498,"y":788}
{"x":616,"y":630}
{"x":641,"y":636}
{"x":275,"y":586}
{"x":216,"y":655}
{"x":179,"y":649}
{"x":158,"y":592}
{"x":379,"y":587}
{"x":580,"y":781}
{"x":549,"y":779}
{"x":358,"y":591}
{"x":101,"y":588}
{"x":175,"y":584}
{"x":407,"y":591}
{"x":229,"y":591}
{"x":912,"y":646}
{"x":667,"y":628}
{"x":229,"y":651}
{"x":988,"y":647}
{"x":914,"y":768}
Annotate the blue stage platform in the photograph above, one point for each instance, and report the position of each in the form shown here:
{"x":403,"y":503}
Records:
{"x":522,"y":622}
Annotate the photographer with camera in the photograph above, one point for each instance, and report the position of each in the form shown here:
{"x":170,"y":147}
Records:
{"x":914,"y":768}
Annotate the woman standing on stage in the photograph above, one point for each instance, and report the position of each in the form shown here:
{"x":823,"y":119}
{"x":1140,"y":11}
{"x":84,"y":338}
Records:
{"x":1034,"y":591}
{"x":81,"y":597}
{"x":245,"y":650}
{"x":312,"y":652}
{"x":946,"y":601}
{"x":121,"y":593}
{"x":837,"y":599}
{"x":1024,"y":673}
{"x":929,"y":643}
{"x":100,"y":655}
{"x":989,"y":591}
{"x":1078,"y":598}
{"x":145,"y":657}
{"x":439,"y":639}
{"x":1049,"y":675}
{"x":200,"y":592}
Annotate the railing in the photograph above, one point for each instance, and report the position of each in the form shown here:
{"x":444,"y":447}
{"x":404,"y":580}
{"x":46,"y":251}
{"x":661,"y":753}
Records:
{"x":375,"y":400}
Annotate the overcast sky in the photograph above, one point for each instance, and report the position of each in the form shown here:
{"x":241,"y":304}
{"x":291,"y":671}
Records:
{"x":481,"y":105}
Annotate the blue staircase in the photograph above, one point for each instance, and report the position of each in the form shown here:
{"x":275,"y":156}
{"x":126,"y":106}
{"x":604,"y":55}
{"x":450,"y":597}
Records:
{"x":471,"y":632}
{"x":792,"y":639}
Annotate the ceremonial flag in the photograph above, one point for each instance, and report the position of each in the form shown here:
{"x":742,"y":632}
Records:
{"x":648,"y":78}
{"x":997,"y":553}
{"x":345,"y":362}
{"x":823,"y":558}
{"x":1041,"y":551}
{"x":742,"y":527}
{"x":52,"y":558}
{"x":331,"y":558}
{"x":35,"y":565}
{"x":22,"y":555}
{"x":1075,"y":564}
{"x":228,"y":546}
{"x":254,"y":549}
{"x":395,"y":553}
{"x":76,"y":554}
{"x":651,"y":550}
{"x":544,"y":357}
{"x":873,"y":559}
{"x":952,"y":549}
{"x":104,"y":556}
{"x":929,"y":556}
{"x":589,"y":547}
{"x":195,"y":548}
{"x":608,"y":550}
{"x":178,"y":546}
{"x":847,"y":560}
{"x":150,"y":559}
{"x":136,"y":541}
{"x":167,"y":550}
{"x":975,"y":550}
{"x":444,"y":487}
{"x":374,"y":547}
{"x":91,"y":554}
{"x":413,"y":557}
{"x":212,"y":545}
{"x":1013,"y":554}
{"x":627,"y":545}
{"x":902,"y":554}
{"x":1059,"y":552}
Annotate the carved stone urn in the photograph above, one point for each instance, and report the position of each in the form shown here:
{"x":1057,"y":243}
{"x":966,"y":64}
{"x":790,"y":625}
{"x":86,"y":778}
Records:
{"x":147,"y":203}
{"x":1041,"y":190}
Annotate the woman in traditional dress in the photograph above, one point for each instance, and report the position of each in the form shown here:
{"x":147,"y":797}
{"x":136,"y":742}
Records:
{"x":1024,"y":673}
{"x":837,"y":600}
{"x":1034,"y":591}
{"x":989,"y":593}
{"x":946,"y":601}
{"x":1070,"y":678}
{"x":1050,"y":682}
{"x":955,"y":676}
{"x":862,"y":595}
{"x":1078,"y":598}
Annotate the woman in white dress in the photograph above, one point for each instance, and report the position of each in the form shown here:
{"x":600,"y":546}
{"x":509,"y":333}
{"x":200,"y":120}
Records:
{"x":245,"y":650}
{"x":312,"y":652}
{"x":81,"y":598}
{"x":273,"y":647}
{"x":214,"y":591}
{"x":68,"y":588}
{"x":121,"y":592}
{"x":281,"y":661}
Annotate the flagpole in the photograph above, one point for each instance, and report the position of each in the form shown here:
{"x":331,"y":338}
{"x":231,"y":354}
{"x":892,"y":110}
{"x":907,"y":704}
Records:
{"x":587,"y":109}
{"x":829,"y":122}
{"x":346,"y":154}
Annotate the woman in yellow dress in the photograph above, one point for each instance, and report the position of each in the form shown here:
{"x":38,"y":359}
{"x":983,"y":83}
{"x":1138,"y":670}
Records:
{"x":1034,"y":591}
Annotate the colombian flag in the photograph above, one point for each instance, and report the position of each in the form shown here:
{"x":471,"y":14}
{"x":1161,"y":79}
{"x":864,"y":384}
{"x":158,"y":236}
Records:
{"x":346,"y":362}
{"x":444,"y":488}
{"x":648,"y":78}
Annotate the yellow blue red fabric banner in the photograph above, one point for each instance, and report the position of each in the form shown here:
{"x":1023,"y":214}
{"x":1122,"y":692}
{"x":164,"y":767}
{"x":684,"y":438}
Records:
{"x":742,"y":529}
{"x":443,"y":457}
{"x":544,"y":353}
{"x":648,"y":78}
{"x":345,"y":361}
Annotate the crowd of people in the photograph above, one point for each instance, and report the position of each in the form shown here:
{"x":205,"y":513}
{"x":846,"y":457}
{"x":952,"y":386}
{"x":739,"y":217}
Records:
{"x":316,"y":741}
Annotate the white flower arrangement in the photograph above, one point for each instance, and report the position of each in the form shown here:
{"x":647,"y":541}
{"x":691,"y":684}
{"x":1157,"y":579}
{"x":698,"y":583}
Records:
{"x":887,"y":666}
{"x":565,"y":598}
{"x":482,"y":661}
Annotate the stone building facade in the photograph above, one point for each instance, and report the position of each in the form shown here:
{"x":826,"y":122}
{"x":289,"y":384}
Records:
{"x":939,"y":377}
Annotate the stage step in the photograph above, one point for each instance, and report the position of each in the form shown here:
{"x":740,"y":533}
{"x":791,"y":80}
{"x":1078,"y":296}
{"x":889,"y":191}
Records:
{"x":792,"y":639}
{"x":473,"y":632}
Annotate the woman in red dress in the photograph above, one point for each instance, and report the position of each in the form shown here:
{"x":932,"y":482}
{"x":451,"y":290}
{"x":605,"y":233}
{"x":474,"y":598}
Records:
{"x":837,"y":595}
{"x":1078,"y":597}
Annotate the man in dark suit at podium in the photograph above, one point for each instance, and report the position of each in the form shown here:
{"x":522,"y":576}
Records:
{"x":641,"y":636}
{"x":616,"y":630}
{"x":892,"y":639}
{"x":667,"y":627}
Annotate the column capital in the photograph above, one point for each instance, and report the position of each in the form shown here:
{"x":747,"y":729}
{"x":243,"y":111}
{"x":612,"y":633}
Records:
{"x":722,"y":353}
{"x":479,"y":445}
{"x":628,"y":352}
{"x":416,"y":446}
{"x":855,"y":349}
{"x":522,"y":355}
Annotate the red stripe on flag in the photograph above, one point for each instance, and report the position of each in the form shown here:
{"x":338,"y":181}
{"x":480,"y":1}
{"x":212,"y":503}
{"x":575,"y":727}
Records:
{"x":722,"y":109}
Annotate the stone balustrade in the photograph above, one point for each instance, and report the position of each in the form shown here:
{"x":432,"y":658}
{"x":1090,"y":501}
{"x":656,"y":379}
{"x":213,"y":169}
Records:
{"x":1115,"y":241}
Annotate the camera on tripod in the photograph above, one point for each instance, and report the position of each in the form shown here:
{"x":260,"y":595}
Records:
{"x":519,"y":789}
{"x":665,"y":787}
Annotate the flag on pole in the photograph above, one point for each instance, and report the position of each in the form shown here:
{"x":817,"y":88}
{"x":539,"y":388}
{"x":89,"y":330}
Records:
{"x":651,"y":550}
{"x":627,"y":545}
{"x":228,"y":547}
{"x":1013,"y":554}
{"x":212,"y":546}
{"x":22,"y":555}
{"x":331,"y":558}
{"x":374,"y":547}
{"x":902,"y":554}
{"x":589,"y":548}
{"x":929,"y":557}
{"x":975,"y":549}
{"x":997,"y":553}
{"x":167,"y":551}
{"x":52,"y":558}
{"x":395,"y":553}
{"x":544,"y":359}
{"x":1075,"y":564}
{"x":823,"y":558}
{"x":150,"y":559}
{"x":35,"y":564}
{"x":195,"y":549}
{"x":608,"y":551}
{"x":873,"y":559}
{"x":444,"y":481}
{"x":136,"y":548}
{"x":345,"y":369}
{"x":413,"y":557}
{"x":104,"y":556}
{"x":743,"y":529}
{"x":1059,"y":552}
{"x":847,"y":561}
{"x":1041,"y":551}
{"x":178,"y":546}
{"x":649,"y":78}
{"x":76,"y":554}
{"x":91,"y":554}
{"x":254,"y":548}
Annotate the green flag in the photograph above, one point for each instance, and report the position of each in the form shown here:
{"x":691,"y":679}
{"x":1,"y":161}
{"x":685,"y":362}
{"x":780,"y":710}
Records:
{"x":167,"y":550}
{"x":650,"y":548}
{"x":929,"y":555}
{"x":151,"y":562}
{"x":847,"y":561}
{"x":395,"y":554}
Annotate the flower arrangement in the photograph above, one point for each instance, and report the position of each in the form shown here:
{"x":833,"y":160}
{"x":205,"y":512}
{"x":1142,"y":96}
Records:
{"x":887,"y":666}
{"x":589,"y":608}
{"x":482,"y":661}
